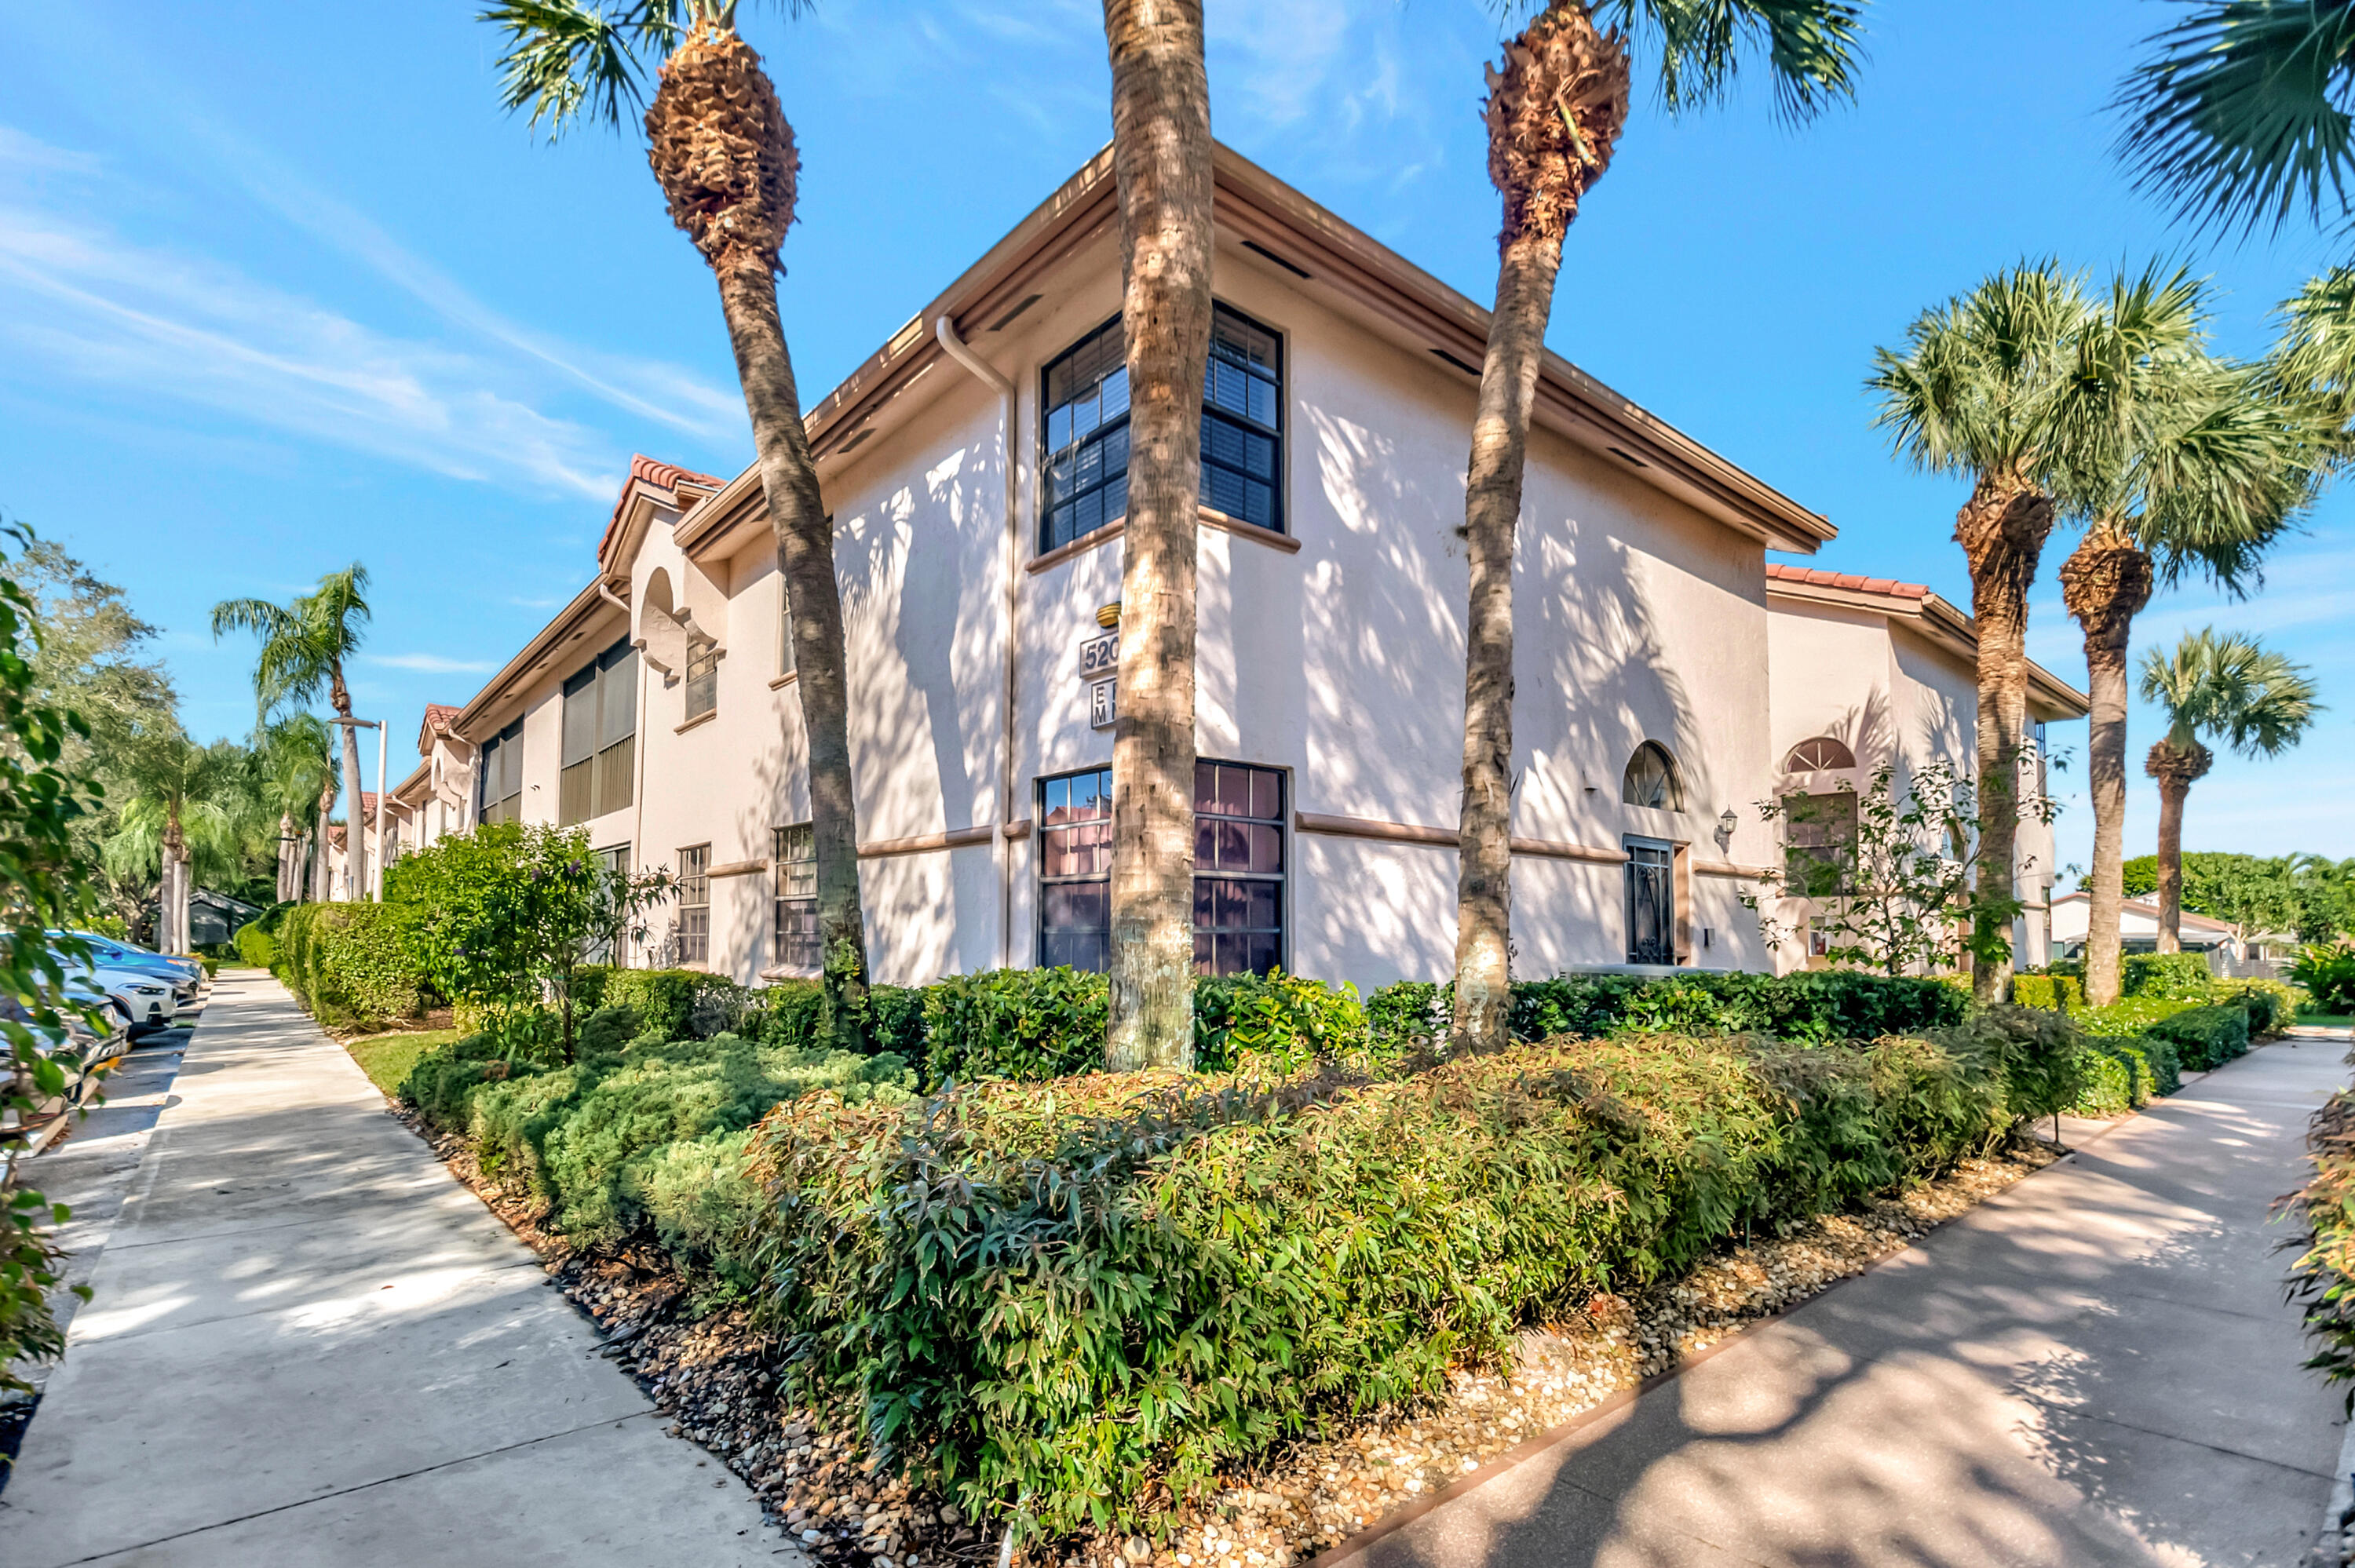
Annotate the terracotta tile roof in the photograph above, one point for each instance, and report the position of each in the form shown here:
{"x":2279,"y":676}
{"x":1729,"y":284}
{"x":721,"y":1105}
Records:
{"x":1815,"y":578}
{"x":436,"y":722}
{"x":645,"y":471}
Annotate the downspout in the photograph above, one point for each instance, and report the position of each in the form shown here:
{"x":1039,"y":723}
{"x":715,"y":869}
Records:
{"x":1001,"y":846}
{"x":637,"y":737}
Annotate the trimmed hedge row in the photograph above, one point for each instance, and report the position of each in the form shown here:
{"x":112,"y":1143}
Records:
{"x":1075,"y":1302}
{"x":2322,"y":1280}
{"x":346,"y":964}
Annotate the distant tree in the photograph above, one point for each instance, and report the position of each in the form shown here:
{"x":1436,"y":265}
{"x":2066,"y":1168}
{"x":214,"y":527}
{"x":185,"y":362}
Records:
{"x":304,"y":646}
{"x":177,"y":819}
{"x":725,"y":158}
{"x":294,"y":765}
{"x":2227,"y":687}
{"x":1556,"y":107}
{"x":2310,"y":896}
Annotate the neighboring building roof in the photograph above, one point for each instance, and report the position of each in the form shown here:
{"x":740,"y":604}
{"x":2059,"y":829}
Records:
{"x":1939,"y":620}
{"x":2149,"y":911}
{"x":410,"y":793}
{"x":1327,"y":256}
{"x":648,"y":474}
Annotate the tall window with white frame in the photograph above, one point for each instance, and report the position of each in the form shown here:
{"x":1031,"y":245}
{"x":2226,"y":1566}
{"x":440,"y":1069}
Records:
{"x":499,"y":777}
{"x":702,"y":677}
{"x":695,"y":905}
{"x":1084,"y":434}
{"x":1239,"y":869}
{"x":611,"y":862}
{"x":599,"y":744}
{"x":796,"y":943}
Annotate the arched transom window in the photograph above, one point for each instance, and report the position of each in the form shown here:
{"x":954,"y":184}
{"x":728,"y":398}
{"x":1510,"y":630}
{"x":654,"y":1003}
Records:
{"x":1651,"y":780}
{"x":1817,"y":755}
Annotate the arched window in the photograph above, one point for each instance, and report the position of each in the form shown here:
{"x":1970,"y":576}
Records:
{"x":1651,"y":780}
{"x":1817,"y":755}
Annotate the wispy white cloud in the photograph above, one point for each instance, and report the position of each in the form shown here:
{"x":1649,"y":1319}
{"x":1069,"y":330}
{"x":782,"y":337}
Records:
{"x":431,"y":664}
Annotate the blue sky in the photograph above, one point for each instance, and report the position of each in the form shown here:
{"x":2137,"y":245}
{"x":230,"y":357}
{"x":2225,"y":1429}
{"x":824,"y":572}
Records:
{"x":281,"y":288}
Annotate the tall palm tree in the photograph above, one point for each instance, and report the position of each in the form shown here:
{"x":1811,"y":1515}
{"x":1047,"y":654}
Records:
{"x":178,"y":820}
{"x":721,"y":151}
{"x":2204,"y":466}
{"x":2230,"y":688}
{"x":1993,"y":387}
{"x":1161,"y":165}
{"x":1556,"y":106}
{"x":295,"y":760}
{"x":304,"y":643}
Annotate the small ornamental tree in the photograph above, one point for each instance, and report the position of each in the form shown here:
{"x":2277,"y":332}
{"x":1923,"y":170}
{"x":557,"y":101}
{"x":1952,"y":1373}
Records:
{"x":1890,"y":872}
{"x":44,"y":885}
{"x":504,"y":918}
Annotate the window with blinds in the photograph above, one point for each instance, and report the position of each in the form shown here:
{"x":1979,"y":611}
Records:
{"x":600,"y":723}
{"x":498,"y":784}
{"x":795,"y":857}
{"x":695,"y":905}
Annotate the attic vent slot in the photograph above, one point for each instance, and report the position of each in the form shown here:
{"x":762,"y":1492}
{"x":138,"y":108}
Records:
{"x":1467,"y":369}
{"x":999,"y":325}
{"x":1624,"y":455}
{"x":852,"y":444}
{"x":1256,"y":248}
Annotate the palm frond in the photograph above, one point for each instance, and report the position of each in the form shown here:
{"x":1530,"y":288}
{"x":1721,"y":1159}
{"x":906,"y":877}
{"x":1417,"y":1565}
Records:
{"x":2232,"y":473}
{"x":1813,"y":47}
{"x":2241,"y":117}
{"x":567,"y":60}
{"x":2229,"y":687}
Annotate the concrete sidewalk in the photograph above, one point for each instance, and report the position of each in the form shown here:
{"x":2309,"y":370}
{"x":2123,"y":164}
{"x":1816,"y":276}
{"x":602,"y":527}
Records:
{"x":309,"y":1344}
{"x":2095,"y":1367}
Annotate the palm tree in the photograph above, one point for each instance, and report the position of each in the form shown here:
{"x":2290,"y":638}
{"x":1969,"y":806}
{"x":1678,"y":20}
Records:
{"x":2229,"y":688}
{"x":2240,"y":117}
{"x":304,"y":643}
{"x":725,"y":158}
{"x":1555,"y":109}
{"x":2204,"y":468}
{"x":1161,"y":162}
{"x":296,"y":762}
{"x":2001,"y":386}
{"x":178,"y":820}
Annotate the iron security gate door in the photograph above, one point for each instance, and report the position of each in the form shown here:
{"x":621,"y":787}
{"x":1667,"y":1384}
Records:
{"x":1651,"y":902}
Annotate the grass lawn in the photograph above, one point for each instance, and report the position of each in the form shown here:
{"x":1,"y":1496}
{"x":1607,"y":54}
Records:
{"x":386,"y":1058}
{"x":2328,"y":1020}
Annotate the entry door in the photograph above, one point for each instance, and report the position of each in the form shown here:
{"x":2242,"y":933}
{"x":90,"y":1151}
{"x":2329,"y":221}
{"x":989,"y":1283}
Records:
{"x":1651,"y":902}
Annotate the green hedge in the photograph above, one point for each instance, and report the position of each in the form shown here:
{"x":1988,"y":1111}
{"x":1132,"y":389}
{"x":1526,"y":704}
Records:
{"x":257,"y":946}
{"x":2170,"y":975}
{"x":2057,"y":993}
{"x":2121,"y":1075}
{"x":604,"y":1138}
{"x":2205,"y":1037}
{"x":1075,"y":1302}
{"x":346,"y":964}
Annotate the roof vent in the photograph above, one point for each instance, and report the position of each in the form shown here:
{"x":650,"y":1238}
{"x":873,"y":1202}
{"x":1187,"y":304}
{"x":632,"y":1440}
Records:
{"x":1256,"y":248}
{"x":1624,"y":455}
{"x":1472,"y":370}
{"x":1000,"y":324}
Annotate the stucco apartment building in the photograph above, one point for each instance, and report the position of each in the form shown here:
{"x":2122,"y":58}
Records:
{"x":975,"y":467}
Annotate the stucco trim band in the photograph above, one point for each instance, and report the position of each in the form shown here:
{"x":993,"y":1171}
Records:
{"x":1727,"y":868}
{"x":1445,"y":838}
{"x":959,"y":839}
{"x":737,"y":868}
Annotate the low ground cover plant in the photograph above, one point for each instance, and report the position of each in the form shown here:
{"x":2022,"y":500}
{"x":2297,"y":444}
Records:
{"x":1070,"y":1302}
{"x":2322,"y":1280}
{"x":2328,"y":972}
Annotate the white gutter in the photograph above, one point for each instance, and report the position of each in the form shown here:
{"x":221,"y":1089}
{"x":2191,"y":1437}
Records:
{"x":1001,"y":847}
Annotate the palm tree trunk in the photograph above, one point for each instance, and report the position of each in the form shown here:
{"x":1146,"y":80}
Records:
{"x":1527,"y":267}
{"x":172,"y":912}
{"x":322,"y":874}
{"x":2002,"y":529}
{"x":2105,"y":582}
{"x":2175,"y":764}
{"x":804,"y":538}
{"x":1161,"y":159}
{"x":285,"y":856}
{"x":354,"y":840}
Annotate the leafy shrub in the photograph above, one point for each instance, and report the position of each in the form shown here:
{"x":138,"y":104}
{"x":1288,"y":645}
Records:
{"x":1400,"y":1015}
{"x":2165,"y":975}
{"x":2115,"y":1077}
{"x":1061,"y":1299}
{"x":2133,"y":1015}
{"x":2271,"y":1005}
{"x":610,"y":1030}
{"x":257,"y":946}
{"x":2322,"y":1280}
{"x":2032,"y":1054}
{"x":1277,"y":1022}
{"x":2205,"y":1037}
{"x":700,"y":1202}
{"x":785,"y":1014}
{"x":349,"y":965}
{"x":2053,"y":992}
{"x":1015,"y":1023}
{"x":2329,"y":975}
{"x":666,"y":999}
{"x":2159,"y":1056}
{"x":1824,"y":1004}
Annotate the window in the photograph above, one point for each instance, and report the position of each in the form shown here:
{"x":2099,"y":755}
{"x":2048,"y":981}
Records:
{"x":499,"y":796}
{"x":702,"y":676}
{"x":1075,"y":870}
{"x":1651,"y":780}
{"x":1818,"y":842}
{"x":695,"y":905}
{"x":611,"y":862}
{"x":1651,"y":902}
{"x":1085,"y":432}
{"x":1238,"y":869}
{"x":601,"y":724}
{"x":1818,"y":755}
{"x":796,"y":899}
{"x":785,"y":623}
